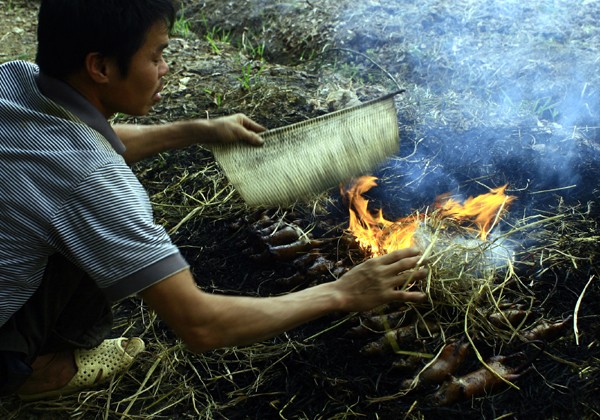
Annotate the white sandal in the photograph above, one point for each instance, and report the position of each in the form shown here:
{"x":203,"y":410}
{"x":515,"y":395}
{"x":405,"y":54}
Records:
{"x":96,"y":366}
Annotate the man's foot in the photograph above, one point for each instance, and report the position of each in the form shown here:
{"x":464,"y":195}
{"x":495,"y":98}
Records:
{"x":67,"y":372}
{"x":50,"y":372}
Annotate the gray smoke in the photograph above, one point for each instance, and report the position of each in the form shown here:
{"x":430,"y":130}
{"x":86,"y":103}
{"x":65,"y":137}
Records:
{"x":498,"y":91}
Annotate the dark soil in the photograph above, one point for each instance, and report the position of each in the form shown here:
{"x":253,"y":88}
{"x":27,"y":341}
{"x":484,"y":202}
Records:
{"x":496,"y":92}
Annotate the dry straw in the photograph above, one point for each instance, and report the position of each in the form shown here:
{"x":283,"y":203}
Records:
{"x":468,"y":277}
{"x":474,"y":284}
{"x":168,"y":377}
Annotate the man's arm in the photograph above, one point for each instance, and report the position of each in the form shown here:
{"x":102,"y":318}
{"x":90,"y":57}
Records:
{"x":143,"y":141}
{"x":207,"y":321}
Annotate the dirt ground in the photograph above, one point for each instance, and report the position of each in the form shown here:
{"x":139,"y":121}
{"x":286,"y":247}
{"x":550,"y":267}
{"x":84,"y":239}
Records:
{"x":495,"y":92}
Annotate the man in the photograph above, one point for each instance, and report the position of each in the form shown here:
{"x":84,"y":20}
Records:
{"x":76,"y":226}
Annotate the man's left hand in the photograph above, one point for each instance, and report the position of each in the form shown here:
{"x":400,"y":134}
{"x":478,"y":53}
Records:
{"x":237,"y":127}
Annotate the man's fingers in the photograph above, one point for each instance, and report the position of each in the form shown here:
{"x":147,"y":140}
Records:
{"x":403,"y":265}
{"x":250,"y":124}
{"x":411,"y":276}
{"x":253,"y":138}
{"x":254,"y":126}
{"x":249,"y":130}
{"x":399,"y":255}
{"x":416,"y":297}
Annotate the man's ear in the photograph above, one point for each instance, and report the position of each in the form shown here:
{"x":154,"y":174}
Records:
{"x":99,"y":68}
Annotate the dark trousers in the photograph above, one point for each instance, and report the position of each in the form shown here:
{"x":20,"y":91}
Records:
{"x":67,"y":311}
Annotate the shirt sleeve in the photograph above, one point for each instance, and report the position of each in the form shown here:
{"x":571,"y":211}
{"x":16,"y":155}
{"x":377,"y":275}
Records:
{"x":107,"y":228}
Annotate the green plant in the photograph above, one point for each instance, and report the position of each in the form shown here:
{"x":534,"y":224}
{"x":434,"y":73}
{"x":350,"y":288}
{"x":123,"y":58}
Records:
{"x":225,"y":36}
{"x":117,"y":117}
{"x":213,"y":44}
{"x":348,"y":70}
{"x":256,"y":52}
{"x":246,"y":76}
{"x":21,"y":56}
{"x":215,"y":35}
{"x":217,"y":98}
{"x":308,"y":55}
{"x":181,"y":26}
{"x":542,"y":108}
{"x":259,"y":51}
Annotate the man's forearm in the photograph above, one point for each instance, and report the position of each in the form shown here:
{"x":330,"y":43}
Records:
{"x":246,"y":320}
{"x":143,"y":141}
{"x":207,"y":321}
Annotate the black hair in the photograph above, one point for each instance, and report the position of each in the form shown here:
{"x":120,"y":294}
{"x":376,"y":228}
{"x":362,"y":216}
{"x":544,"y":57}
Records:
{"x":68,"y":30}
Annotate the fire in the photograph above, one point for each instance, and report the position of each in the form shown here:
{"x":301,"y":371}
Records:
{"x":375,"y":233}
{"x":482,"y":211}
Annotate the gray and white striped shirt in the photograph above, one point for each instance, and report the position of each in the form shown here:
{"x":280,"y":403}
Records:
{"x":65,"y":188}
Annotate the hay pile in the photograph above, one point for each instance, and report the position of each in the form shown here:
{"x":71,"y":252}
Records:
{"x":483,"y":292}
{"x":278,"y":376}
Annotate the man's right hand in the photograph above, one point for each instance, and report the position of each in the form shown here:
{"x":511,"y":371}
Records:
{"x":381,"y":280}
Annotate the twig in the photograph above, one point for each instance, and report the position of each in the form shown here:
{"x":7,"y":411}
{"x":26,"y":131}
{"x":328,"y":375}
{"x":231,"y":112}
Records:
{"x":553,"y":189}
{"x":576,"y":312}
{"x":478,"y":354}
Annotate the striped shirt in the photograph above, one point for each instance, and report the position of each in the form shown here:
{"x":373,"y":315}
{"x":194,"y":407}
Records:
{"x":64,"y":187}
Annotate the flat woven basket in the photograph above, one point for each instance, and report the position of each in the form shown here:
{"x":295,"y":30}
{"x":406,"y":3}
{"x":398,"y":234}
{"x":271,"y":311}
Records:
{"x":311,"y":156}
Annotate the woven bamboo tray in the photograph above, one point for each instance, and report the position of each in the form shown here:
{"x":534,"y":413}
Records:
{"x":309,"y":157}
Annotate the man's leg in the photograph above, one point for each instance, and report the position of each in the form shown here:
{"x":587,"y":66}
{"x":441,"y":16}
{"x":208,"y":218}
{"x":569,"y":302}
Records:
{"x":67,"y":311}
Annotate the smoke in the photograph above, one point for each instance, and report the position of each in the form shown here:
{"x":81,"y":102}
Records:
{"x":498,"y":91}
{"x":476,"y":256}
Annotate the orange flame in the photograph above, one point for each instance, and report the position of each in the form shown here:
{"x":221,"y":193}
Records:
{"x":380,"y":236}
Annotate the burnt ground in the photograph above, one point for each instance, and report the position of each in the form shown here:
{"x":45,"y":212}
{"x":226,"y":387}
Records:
{"x":496,"y":92}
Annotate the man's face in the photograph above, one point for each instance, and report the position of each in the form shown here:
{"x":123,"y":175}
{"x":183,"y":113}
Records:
{"x":140,"y":90}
